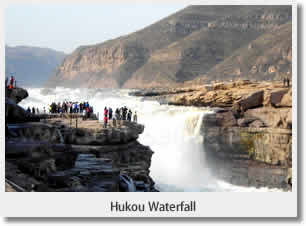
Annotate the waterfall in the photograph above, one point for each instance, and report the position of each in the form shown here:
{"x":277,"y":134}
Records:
{"x":179,"y":159}
{"x":172,"y":132}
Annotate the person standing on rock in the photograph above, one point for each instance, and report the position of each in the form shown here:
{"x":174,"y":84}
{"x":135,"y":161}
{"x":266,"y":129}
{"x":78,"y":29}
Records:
{"x":87,"y":113}
{"x":81,"y":107}
{"x":115,"y":120}
{"x":70,"y":107}
{"x":105,"y":121}
{"x":105,"y":111}
{"x":121,"y":113}
{"x":129,"y":115}
{"x":124,"y":112}
{"x":288,"y":82}
{"x":110,"y":113}
{"x":12,"y":82}
{"x":117,"y":114}
{"x":75,"y":106}
{"x":10,"y":86}
{"x":135,"y":117}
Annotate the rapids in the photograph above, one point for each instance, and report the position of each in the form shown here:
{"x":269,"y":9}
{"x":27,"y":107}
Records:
{"x":173,"y":133}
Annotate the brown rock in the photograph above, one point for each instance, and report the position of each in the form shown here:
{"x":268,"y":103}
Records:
{"x":127,"y":132}
{"x":222,"y":119}
{"x":271,"y":117}
{"x":286,"y":100}
{"x":257,"y":124}
{"x":274,"y":98}
{"x":244,"y":122}
{"x":254,"y":99}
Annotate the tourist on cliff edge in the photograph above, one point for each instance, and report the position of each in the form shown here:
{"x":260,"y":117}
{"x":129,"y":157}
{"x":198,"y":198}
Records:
{"x":135,"y":117}
{"x":110,"y":113}
{"x":105,"y":121}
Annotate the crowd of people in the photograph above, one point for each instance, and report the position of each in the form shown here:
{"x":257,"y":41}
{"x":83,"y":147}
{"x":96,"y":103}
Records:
{"x":122,"y":113}
{"x":65,"y":107}
{"x":70,"y":107}
{"x":84,"y":108}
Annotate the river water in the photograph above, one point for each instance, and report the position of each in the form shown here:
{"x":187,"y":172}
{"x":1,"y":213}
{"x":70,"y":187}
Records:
{"x":173,"y":133}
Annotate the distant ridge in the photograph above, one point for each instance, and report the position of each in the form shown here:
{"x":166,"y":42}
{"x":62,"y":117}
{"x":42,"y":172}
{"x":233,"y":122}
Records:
{"x":31,"y":66}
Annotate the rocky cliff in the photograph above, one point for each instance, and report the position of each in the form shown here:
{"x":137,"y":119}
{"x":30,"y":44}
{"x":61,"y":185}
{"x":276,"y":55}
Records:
{"x":176,"y":49}
{"x":55,"y":155}
{"x":248,"y":136}
{"x":248,"y":152}
{"x":266,"y":58}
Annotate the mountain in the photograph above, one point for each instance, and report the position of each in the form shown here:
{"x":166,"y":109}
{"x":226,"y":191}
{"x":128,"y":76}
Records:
{"x":266,"y":58}
{"x":176,"y":49}
{"x":31,"y":66}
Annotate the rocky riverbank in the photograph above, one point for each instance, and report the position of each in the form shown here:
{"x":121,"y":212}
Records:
{"x":71,"y":154}
{"x":248,"y":138}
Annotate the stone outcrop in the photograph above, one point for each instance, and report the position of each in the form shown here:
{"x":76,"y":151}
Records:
{"x":235,"y":153}
{"x":256,"y":151}
{"x":272,"y":117}
{"x":13,"y":112}
{"x":240,"y":95}
{"x":59,"y":162}
{"x":251,"y":100}
{"x":286,"y":100}
{"x":248,"y":136}
{"x":55,"y":154}
{"x":275,"y":97}
{"x":83,"y":136}
{"x":16,"y":94}
{"x":221,"y":119}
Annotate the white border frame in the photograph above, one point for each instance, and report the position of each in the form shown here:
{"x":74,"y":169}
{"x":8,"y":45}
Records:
{"x":210,"y":204}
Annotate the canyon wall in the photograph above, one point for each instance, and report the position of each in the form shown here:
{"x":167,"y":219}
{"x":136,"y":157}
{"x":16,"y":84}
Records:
{"x":182,"y":47}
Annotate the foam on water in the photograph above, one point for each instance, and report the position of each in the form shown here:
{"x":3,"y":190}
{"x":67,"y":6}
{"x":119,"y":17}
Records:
{"x":173,"y":133}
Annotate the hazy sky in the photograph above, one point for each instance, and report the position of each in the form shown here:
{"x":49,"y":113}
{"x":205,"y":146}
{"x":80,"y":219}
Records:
{"x":65,"y":27}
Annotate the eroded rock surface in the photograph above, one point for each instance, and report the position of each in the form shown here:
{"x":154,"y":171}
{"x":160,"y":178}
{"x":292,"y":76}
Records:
{"x":248,"y":138}
{"x":63,"y":154}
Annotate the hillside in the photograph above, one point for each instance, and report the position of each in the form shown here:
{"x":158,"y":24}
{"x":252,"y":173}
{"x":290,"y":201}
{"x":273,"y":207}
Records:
{"x":31,"y":66}
{"x":266,"y":58}
{"x":199,"y":52}
{"x":176,"y":49}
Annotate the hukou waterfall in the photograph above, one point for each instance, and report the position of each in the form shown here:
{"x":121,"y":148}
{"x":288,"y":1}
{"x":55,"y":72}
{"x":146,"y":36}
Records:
{"x":172,"y":132}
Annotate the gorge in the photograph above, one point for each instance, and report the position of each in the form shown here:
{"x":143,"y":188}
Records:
{"x":183,"y":148}
{"x":209,"y":85}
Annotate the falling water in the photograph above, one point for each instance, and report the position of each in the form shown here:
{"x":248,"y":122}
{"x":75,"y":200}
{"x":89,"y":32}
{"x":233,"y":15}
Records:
{"x":173,"y":133}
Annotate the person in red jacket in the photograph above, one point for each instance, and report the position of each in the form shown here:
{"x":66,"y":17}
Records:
{"x":11,"y":85}
{"x":105,"y":121}
{"x":105,"y":111}
{"x":105,"y":117}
